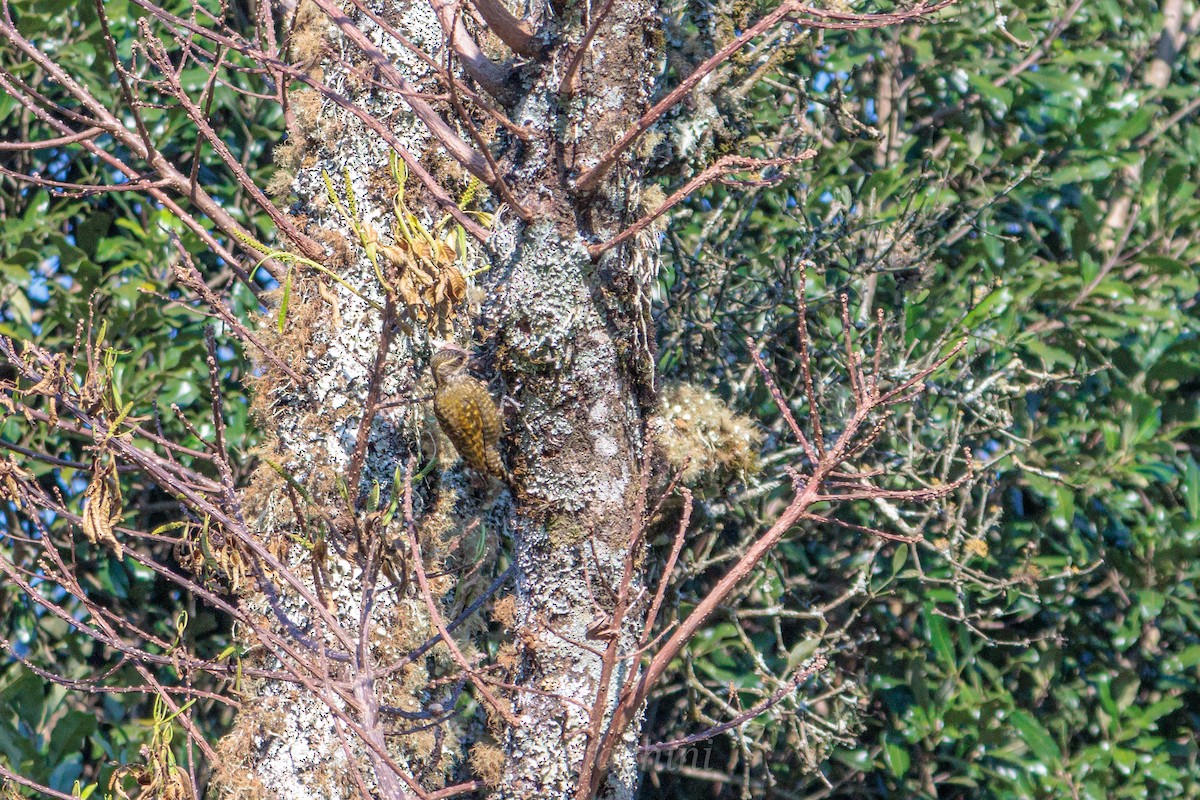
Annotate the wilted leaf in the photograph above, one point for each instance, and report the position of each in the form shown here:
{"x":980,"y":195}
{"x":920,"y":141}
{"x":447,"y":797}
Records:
{"x":102,"y":506}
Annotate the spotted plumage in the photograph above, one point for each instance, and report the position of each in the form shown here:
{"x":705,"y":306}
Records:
{"x":466,"y":412}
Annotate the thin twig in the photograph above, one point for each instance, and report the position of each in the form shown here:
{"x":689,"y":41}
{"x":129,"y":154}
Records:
{"x":435,"y":615}
{"x":590,"y":179}
{"x":724,"y":166}
{"x":818,"y":664}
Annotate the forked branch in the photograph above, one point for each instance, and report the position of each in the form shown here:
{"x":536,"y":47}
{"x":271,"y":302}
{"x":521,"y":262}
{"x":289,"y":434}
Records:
{"x":787,"y":11}
{"x":809,"y":488}
{"x":718,"y":172}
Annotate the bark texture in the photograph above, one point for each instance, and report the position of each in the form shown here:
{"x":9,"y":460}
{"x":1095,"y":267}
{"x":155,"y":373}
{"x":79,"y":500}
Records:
{"x":567,"y":334}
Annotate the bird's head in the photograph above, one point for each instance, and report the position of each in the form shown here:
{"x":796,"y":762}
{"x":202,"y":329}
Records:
{"x":448,"y":360}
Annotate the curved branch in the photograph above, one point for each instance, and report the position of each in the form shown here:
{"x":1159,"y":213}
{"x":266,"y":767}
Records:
{"x":818,"y":664}
{"x":516,"y":33}
{"x":104,"y":119}
{"x":493,"y":77}
{"x":808,"y":491}
{"x":438,"y":127}
{"x":724,"y":166}
{"x":456,"y":147}
{"x":447,"y":78}
{"x":566,"y":87}
{"x":821,"y":18}
{"x":59,"y":142}
{"x":158,"y":55}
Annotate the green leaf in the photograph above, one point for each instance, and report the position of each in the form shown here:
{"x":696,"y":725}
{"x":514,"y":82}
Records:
{"x":66,"y":772}
{"x":1036,"y":737}
{"x":996,"y":300}
{"x":1125,"y":760}
{"x":70,"y":731}
{"x":1162,"y":708}
{"x":895,"y":756}
{"x":1087,"y":171}
{"x":1191,"y":488}
{"x":939,"y":638}
{"x":1064,"y":508}
{"x":287,"y":296}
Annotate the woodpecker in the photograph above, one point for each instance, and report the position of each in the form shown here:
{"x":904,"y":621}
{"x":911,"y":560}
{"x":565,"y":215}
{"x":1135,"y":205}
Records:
{"x":465,"y":411}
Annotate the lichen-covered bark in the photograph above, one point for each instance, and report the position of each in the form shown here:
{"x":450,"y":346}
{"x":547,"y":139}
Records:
{"x":572,"y":343}
{"x":568,"y":336}
{"x":286,"y":742}
{"x":578,"y":456}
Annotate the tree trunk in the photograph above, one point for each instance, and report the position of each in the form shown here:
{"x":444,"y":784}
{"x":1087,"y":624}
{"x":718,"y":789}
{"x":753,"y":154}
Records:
{"x":568,"y":335}
{"x":579,"y":455}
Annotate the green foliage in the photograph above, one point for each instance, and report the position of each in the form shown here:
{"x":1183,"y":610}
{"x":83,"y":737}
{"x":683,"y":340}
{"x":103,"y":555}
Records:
{"x":1044,"y":641}
{"x":73,"y":262}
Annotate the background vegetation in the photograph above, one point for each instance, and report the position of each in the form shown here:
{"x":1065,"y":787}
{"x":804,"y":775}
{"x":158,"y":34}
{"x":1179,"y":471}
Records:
{"x":1042,"y":641}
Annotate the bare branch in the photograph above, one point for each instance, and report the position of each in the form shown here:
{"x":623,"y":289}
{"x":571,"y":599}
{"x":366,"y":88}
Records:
{"x":456,"y":147}
{"x":427,"y":595}
{"x":782,"y":404}
{"x":516,"y":33}
{"x":820,"y":18}
{"x":717,"y":172}
{"x":818,"y":664}
{"x":493,"y":77}
{"x":51,"y":143}
{"x":668,"y":568}
{"x":567,"y":86}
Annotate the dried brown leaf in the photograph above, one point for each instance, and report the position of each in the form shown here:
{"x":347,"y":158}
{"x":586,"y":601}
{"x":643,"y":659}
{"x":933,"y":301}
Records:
{"x":102,"y":506}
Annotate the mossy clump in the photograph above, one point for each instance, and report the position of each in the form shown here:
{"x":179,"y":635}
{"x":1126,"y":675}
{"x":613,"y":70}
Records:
{"x":565,"y":531}
{"x":487,"y":761}
{"x":232,"y":777}
{"x":703,"y":438}
{"x":504,"y":612}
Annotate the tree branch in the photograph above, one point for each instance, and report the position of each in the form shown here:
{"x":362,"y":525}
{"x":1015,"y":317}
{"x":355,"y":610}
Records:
{"x":516,"y":33}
